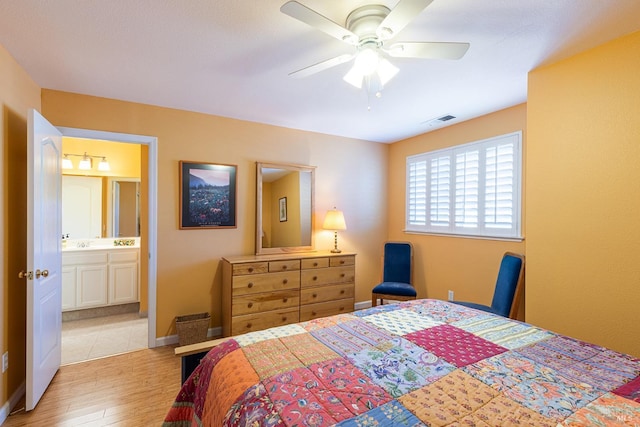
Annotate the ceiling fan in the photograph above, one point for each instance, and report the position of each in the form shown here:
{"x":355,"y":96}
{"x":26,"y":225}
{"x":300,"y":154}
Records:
{"x":370,"y":30}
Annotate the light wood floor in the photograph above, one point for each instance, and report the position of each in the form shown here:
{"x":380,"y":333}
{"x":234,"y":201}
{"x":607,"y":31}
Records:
{"x":133,"y":389}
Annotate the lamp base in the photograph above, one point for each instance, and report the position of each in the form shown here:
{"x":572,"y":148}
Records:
{"x":336,"y":251}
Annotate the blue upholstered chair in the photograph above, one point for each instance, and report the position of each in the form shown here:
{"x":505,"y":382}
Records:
{"x":509,"y":288}
{"x":397,"y":274}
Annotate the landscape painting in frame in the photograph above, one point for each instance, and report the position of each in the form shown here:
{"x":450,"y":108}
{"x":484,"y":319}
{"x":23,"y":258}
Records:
{"x":207,"y":195}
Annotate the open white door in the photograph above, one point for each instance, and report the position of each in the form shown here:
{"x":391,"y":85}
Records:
{"x":44,"y":256}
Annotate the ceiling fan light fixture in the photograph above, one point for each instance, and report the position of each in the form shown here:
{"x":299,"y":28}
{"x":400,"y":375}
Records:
{"x":386,"y":71}
{"x":354,"y":77}
{"x":367,"y":61}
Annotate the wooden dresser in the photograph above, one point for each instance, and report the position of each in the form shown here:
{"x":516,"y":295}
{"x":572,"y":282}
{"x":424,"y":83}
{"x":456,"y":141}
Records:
{"x":262,"y":291}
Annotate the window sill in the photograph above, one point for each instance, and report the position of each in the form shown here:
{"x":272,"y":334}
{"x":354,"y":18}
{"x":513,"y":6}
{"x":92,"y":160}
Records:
{"x":466,"y":236}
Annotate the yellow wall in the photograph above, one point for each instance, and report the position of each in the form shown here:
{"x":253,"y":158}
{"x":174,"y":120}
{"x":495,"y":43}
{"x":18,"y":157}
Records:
{"x":189,"y":278}
{"x":18,"y":93}
{"x":583,"y":193}
{"x":468,"y":267}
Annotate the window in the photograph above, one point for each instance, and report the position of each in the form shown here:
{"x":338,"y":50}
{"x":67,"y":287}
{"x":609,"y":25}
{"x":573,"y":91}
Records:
{"x":471,"y":189}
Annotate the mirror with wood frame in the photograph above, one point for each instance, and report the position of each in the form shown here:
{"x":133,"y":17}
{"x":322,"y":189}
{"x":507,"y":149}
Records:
{"x":284,"y":208}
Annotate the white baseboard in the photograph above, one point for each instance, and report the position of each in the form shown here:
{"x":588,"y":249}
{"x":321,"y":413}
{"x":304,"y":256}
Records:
{"x":362,"y":305}
{"x":173,"y":339}
{"x":6,"y":409}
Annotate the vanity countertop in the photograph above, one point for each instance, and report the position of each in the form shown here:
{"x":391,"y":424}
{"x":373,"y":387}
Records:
{"x":83,"y":245}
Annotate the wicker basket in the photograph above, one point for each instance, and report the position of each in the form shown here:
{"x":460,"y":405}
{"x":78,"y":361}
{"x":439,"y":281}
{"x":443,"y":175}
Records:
{"x":192,"y":328}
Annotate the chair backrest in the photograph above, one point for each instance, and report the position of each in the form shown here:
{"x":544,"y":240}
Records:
{"x":397,"y":265}
{"x":509,"y":285}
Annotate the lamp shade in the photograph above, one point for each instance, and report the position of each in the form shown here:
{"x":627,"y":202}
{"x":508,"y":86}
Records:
{"x":334,"y":220}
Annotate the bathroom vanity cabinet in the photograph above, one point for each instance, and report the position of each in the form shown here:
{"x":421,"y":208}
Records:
{"x":99,"y":277}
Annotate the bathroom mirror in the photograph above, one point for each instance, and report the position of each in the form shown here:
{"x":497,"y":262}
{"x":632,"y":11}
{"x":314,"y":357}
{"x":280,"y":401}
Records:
{"x":94,"y":207}
{"x":284,"y":208}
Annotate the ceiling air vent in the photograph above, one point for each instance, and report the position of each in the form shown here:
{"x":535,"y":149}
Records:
{"x":438,"y":120}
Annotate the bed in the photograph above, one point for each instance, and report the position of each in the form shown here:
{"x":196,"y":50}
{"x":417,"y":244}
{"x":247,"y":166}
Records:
{"x":423,"y":362}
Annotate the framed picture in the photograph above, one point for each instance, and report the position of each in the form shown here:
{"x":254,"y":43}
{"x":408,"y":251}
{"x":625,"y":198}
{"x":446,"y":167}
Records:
{"x":283,"y":209}
{"x":207,"y":195}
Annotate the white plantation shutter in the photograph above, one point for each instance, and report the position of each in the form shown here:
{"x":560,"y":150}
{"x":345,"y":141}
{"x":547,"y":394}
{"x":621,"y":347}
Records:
{"x":472,"y":189}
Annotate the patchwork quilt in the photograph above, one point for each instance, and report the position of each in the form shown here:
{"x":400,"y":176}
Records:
{"x":417,"y":363}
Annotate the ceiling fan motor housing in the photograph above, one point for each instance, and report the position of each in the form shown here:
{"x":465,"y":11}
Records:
{"x":364,"y":22}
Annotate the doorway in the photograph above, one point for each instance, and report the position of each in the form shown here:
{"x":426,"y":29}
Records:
{"x":104,"y":313}
{"x":148,"y":239}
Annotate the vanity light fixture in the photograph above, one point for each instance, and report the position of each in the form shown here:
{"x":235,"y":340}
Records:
{"x":334,"y":221}
{"x":86,"y":162}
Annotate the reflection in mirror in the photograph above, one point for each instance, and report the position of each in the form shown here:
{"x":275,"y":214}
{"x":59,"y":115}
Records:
{"x":126,"y":208}
{"x":88,"y":212}
{"x":284,"y":208}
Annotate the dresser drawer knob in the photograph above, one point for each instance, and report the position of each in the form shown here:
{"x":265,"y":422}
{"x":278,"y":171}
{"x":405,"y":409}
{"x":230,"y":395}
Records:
{"x":341,"y":291}
{"x":285,"y":299}
{"x":315,"y":277}
{"x":341,"y":308}
{"x":284,"y":318}
{"x":341,"y":261}
{"x":248,"y":325}
{"x":284,"y":267}
{"x":315,"y":295}
{"x":250,"y":305}
{"x":285,"y":281}
{"x":313,"y":313}
{"x":342,"y":275}
{"x":250,"y":269}
{"x":250,"y":285}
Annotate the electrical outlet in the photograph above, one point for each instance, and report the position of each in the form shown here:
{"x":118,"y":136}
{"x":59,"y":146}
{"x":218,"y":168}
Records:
{"x":5,"y":361}
{"x":450,"y":295}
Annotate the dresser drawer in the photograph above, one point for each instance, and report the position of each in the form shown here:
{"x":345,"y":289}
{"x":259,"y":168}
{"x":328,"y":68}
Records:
{"x":258,"y":321}
{"x":323,"y":309}
{"x":326,"y":293}
{"x":250,"y":268}
{"x":324,"y":276}
{"x":256,"y":303}
{"x":266,"y":282}
{"x":340,"y":261}
{"x":289,"y":265}
{"x":315,"y":263}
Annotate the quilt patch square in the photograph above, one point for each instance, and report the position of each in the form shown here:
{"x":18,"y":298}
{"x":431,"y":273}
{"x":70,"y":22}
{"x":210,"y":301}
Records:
{"x":503,"y":411}
{"x":253,"y":408}
{"x":400,"y":366}
{"x":630,"y":390}
{"x":349,"y":385}
{"x":300,"y":401}
{"x":326,"y":322}
{"x":267,"y":334}
{"x":442,"y":311}
{"x":270,"y":357}
{"x":340,"y":341}
{"x":366,"y":332}
{"x":307,"y":349}
{"x":401,"y":322}
{"x":607,"y":410}
{"x":449,"y":399}
{"x":503,"y":332}
{"x":581,"y":362}
{"x":388,"y":415}
{"x":458,"y":347}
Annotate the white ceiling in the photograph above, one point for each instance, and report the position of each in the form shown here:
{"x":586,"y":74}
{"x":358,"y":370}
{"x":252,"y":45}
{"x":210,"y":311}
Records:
{"x":232,"y":58}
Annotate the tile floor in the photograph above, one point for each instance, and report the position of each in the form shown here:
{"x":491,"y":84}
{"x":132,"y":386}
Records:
{"x":88,"y":339}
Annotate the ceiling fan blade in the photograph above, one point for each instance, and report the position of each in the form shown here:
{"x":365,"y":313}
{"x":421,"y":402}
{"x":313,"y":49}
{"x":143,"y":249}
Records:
{"x":400,"y":16}
{"x":321,"y":66}
{"x":311,"y":17}
{"x":428,"y":50}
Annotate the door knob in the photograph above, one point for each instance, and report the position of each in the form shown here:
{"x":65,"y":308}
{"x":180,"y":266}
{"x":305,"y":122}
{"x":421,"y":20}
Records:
{"x":43,"y":273}
{"x":25,"y":275}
